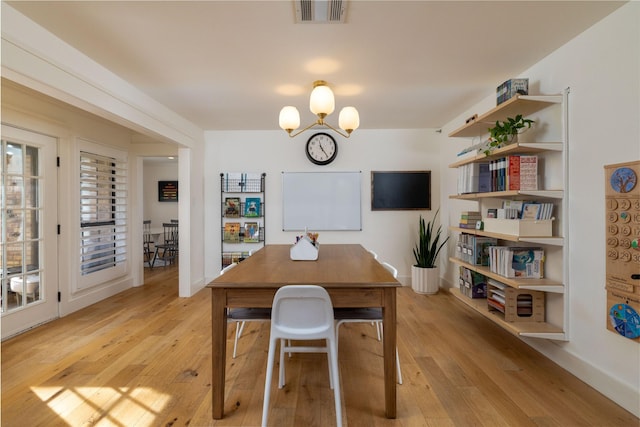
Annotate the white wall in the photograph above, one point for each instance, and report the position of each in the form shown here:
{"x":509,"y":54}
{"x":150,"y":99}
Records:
{"x":390,"y":233}
{"x":602,"y":68}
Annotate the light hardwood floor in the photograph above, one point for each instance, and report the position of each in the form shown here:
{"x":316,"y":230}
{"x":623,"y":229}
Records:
{"x":143,"y":358}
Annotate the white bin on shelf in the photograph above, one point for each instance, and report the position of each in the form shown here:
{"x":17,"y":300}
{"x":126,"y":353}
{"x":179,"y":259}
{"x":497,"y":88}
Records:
{"x":519,"y":227}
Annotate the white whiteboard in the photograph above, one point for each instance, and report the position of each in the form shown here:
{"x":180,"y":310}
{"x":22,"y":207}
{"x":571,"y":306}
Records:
{"x":318,"y":201}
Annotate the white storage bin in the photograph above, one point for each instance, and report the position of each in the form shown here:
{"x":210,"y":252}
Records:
{"x":519,"y":227}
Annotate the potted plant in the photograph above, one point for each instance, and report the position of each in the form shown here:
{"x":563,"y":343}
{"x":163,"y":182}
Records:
{"x":425,"y":273}
{"x":504,"y":133}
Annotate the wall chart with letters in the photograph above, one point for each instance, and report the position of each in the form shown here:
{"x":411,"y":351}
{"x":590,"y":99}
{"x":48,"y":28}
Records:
{"x":622,"y":204}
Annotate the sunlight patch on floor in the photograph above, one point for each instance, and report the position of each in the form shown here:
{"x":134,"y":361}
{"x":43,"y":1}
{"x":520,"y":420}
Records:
{"x":103,"y":403}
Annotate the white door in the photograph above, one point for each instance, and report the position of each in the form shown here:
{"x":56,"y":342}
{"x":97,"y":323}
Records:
{"x":28,"y":243}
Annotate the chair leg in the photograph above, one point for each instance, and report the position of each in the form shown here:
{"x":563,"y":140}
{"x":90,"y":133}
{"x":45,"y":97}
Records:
{"x":153,"y":260}
{"x":239,"y":328}
{"x":398,"y":367}
{"x":335,"y":374}
{"x":281,"y":379}
{"x":330,"y":365}
{"x":267,"y":381}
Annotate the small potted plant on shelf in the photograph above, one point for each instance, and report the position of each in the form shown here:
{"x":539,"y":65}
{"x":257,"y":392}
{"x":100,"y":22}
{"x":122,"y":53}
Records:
{"x":504,"y":133}
{"x":425,"y":273}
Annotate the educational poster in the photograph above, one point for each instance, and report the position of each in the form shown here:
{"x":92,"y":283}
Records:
{"x":622,"y":204}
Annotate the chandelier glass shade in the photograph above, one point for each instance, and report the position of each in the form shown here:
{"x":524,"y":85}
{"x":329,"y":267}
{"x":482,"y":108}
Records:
{"x":321,"y":103}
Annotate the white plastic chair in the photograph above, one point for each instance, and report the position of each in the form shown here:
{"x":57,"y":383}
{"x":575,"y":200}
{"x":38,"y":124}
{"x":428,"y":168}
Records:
{"x":302,"y":312}
{"x":362,"y":315}
{"x":375,"y":255}
{"x":241,"y":315}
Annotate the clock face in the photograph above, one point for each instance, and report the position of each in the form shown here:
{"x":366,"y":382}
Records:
{"x":322,"y":149}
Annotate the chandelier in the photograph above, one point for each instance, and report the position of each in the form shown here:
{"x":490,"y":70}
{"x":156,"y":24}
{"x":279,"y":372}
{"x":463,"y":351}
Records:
{"x":321,"y":103}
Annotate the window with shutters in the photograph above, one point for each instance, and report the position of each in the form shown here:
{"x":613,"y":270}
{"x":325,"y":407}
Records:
{"x":103,"y":218}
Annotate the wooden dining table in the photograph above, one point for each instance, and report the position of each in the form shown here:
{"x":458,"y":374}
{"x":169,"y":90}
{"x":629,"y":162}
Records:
{"x":350,"y":274}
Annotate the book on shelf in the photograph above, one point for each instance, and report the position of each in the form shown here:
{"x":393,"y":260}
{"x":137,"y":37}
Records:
{"x":513,"y":173}
{"x":251,"y":232}
{"x":515,"y":205}
{"x":528,"y":172}
{"x":474,"y":178}
{"x":252,"y":207}
{"x":484,"y":178}
{"x":527,"y":263}
{"x":531,"y":210}
{"x":232,"y":207}
{"x":481,"y":247}
{"x":472,"y":284}
{"x":474,"y":249}
{"x":517,"y":262}
{"x":495,"y":304}
{"x":232,"y":232}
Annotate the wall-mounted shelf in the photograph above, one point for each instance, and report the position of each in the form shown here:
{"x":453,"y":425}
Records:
{"x":512,"y":194}
{"x":523,"y":329}
{"x":545,"y":285}
{"x":248,"y":190}
{"x":519,"y":104}
{"x":511,"y":149}
{"x":554,"y":155}
{"x":555,"y":241}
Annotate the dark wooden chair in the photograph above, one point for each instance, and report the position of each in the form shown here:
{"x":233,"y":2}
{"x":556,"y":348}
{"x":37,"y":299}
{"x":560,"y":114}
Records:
{"x":167,"y":250}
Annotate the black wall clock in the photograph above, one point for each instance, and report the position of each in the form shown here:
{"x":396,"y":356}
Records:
{"x":321,"y":149}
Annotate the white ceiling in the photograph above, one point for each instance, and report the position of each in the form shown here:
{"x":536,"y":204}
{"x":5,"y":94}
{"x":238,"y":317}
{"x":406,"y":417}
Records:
{"x":233,"y":64}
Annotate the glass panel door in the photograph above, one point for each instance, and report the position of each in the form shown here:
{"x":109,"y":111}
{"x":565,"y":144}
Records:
{"x":28,"y":280}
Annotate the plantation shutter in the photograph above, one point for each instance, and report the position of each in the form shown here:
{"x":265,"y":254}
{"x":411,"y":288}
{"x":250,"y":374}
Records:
{"x":103,"y":213}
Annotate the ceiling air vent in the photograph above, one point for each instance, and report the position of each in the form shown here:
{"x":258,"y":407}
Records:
{"x":327,"y":11}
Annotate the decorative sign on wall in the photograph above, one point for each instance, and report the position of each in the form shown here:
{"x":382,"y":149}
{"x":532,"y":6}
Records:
{"x":167,"y":191}
{"x":622,"y":202}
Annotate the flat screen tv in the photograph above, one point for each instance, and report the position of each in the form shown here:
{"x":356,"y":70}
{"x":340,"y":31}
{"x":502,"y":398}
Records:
{"x":400,"y":190}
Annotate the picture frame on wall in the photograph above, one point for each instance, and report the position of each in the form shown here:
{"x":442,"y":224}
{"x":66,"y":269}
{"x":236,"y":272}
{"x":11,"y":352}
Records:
{"x":167,"y":191}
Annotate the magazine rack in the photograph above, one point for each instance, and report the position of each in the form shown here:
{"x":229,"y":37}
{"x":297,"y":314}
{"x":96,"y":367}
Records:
{"x":304,"y":250}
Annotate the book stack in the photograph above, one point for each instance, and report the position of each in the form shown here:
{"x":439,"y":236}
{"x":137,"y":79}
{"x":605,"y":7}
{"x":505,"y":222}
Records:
{"x":514,"y":173}
{"x":496,"y":297}
{"x":517,"y":262}
{"x":474,"y":249}
{"x":515,"y":304}
{"x":469,"y":219}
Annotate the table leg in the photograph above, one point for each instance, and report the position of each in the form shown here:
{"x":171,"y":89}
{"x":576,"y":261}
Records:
{"x":389,"y":333}
{"x":218,"y":350}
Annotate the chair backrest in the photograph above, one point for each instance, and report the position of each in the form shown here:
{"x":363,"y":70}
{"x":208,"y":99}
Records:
{"x":375,"y":255}
{"x":170,"y":233}
{"x":302,"y":312}
{"x":146,"y":230}
{"x":227,"y":268}
{"x":391,"y":269}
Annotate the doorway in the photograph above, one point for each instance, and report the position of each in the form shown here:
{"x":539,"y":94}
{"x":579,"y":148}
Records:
{"x":28,"y":247}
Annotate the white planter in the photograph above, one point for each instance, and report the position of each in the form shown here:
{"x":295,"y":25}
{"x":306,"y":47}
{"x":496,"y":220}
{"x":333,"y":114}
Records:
{"x":425,"y":280}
